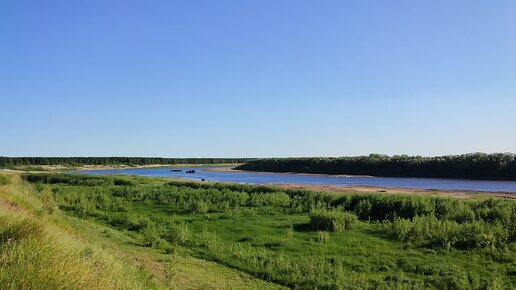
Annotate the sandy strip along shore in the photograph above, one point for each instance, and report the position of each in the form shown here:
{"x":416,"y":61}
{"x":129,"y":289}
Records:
{"x":465,"y":194}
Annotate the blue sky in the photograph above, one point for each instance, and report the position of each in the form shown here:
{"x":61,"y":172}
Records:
{"x":256,"y":78}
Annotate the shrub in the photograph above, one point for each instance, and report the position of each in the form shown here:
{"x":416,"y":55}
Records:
{"x":334,"y":221}
{"x":123,"y":182}
{"x":432,"y":232}
{"x":363,"y":209}
{"x":322,"y":237}
{"x":177,"y":233}
{"x":199,"y":207}
{"x":150,"y":236}
{"x":278,"y":199}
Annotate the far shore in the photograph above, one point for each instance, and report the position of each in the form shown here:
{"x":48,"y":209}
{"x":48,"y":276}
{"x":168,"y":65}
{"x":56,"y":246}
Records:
{"x":59,"y":168}
{"x":123,"y":166}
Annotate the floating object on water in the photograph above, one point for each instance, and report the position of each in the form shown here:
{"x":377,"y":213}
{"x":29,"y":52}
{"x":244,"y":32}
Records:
{"x":190,"y":171}
{"x":176,"y":170}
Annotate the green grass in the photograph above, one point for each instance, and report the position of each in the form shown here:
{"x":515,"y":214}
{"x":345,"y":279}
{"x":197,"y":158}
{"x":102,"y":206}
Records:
{"x":39,"y":253}
{"x":270,"y":234}
{"x":42,"y":247}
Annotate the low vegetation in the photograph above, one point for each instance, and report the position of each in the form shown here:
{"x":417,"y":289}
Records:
{"x":298,"y":238}
{"x":501,"y":166}
{"x":332,"y":220}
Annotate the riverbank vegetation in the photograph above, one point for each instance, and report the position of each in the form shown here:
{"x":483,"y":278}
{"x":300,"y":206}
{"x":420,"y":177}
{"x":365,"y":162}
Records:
{"x":498,"y":166}
{"x":298,"y":238}
{"x":10,"y":162}
{"x":44,"y":247}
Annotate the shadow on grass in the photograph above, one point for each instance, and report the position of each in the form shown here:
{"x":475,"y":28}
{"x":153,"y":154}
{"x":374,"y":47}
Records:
{"x":304,"y":227}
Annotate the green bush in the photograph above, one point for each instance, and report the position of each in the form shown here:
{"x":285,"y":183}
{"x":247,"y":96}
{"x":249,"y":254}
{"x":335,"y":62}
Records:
{"x":432,"y":232}
{"x":150,"y":236}
{"x":123,"y":182}
{"x":363,"y":209}
{"x":278,"y":199}
{"x":177,"y":233}
{"x":334,"y":221}
{"x":199,"y":207}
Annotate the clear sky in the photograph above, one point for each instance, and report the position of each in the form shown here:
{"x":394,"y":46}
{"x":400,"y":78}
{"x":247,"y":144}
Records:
{"x":256,"y":78}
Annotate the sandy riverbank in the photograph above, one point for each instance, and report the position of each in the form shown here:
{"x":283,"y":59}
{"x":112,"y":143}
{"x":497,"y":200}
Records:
{"x":103,"y":167}
{"x":56,"y":168}
{"x":463,"y":194}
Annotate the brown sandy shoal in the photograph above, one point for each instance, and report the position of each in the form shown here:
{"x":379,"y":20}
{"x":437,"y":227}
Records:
{"x":464,"y":194}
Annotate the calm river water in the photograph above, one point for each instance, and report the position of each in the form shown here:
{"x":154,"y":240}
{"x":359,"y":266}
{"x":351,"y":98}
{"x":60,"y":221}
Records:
{"x":339,"y":180}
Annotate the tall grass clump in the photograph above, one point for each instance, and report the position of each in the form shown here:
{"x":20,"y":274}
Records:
{"x":13,"y":230}
{"x":39,"y":249}
{"x":32,"y":258}
{"x":4,"y":180}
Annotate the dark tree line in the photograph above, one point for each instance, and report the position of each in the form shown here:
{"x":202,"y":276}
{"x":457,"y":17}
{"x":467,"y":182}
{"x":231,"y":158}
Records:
{"x":6,"y":162}
{"x":500,"y":166}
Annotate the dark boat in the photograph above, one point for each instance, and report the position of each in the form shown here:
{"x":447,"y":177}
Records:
{"x":176,"y":170}
{"x":190,"y":171}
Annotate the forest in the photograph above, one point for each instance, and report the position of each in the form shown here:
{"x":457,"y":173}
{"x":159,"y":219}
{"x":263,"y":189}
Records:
{"x":497,"y":166}
{"x":7,"y":162}
{"x":301,"y":239}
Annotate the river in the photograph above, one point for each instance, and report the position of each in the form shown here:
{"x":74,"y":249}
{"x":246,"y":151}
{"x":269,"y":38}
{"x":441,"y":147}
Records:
{"x":208,"y":174}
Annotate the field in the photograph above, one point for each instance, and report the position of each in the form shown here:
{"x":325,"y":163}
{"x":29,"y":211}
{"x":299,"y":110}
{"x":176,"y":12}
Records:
{"x":261,"y":237}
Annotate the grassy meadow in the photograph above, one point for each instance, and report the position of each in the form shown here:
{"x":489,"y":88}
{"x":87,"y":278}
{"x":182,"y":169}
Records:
{"x":259,"y":237}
